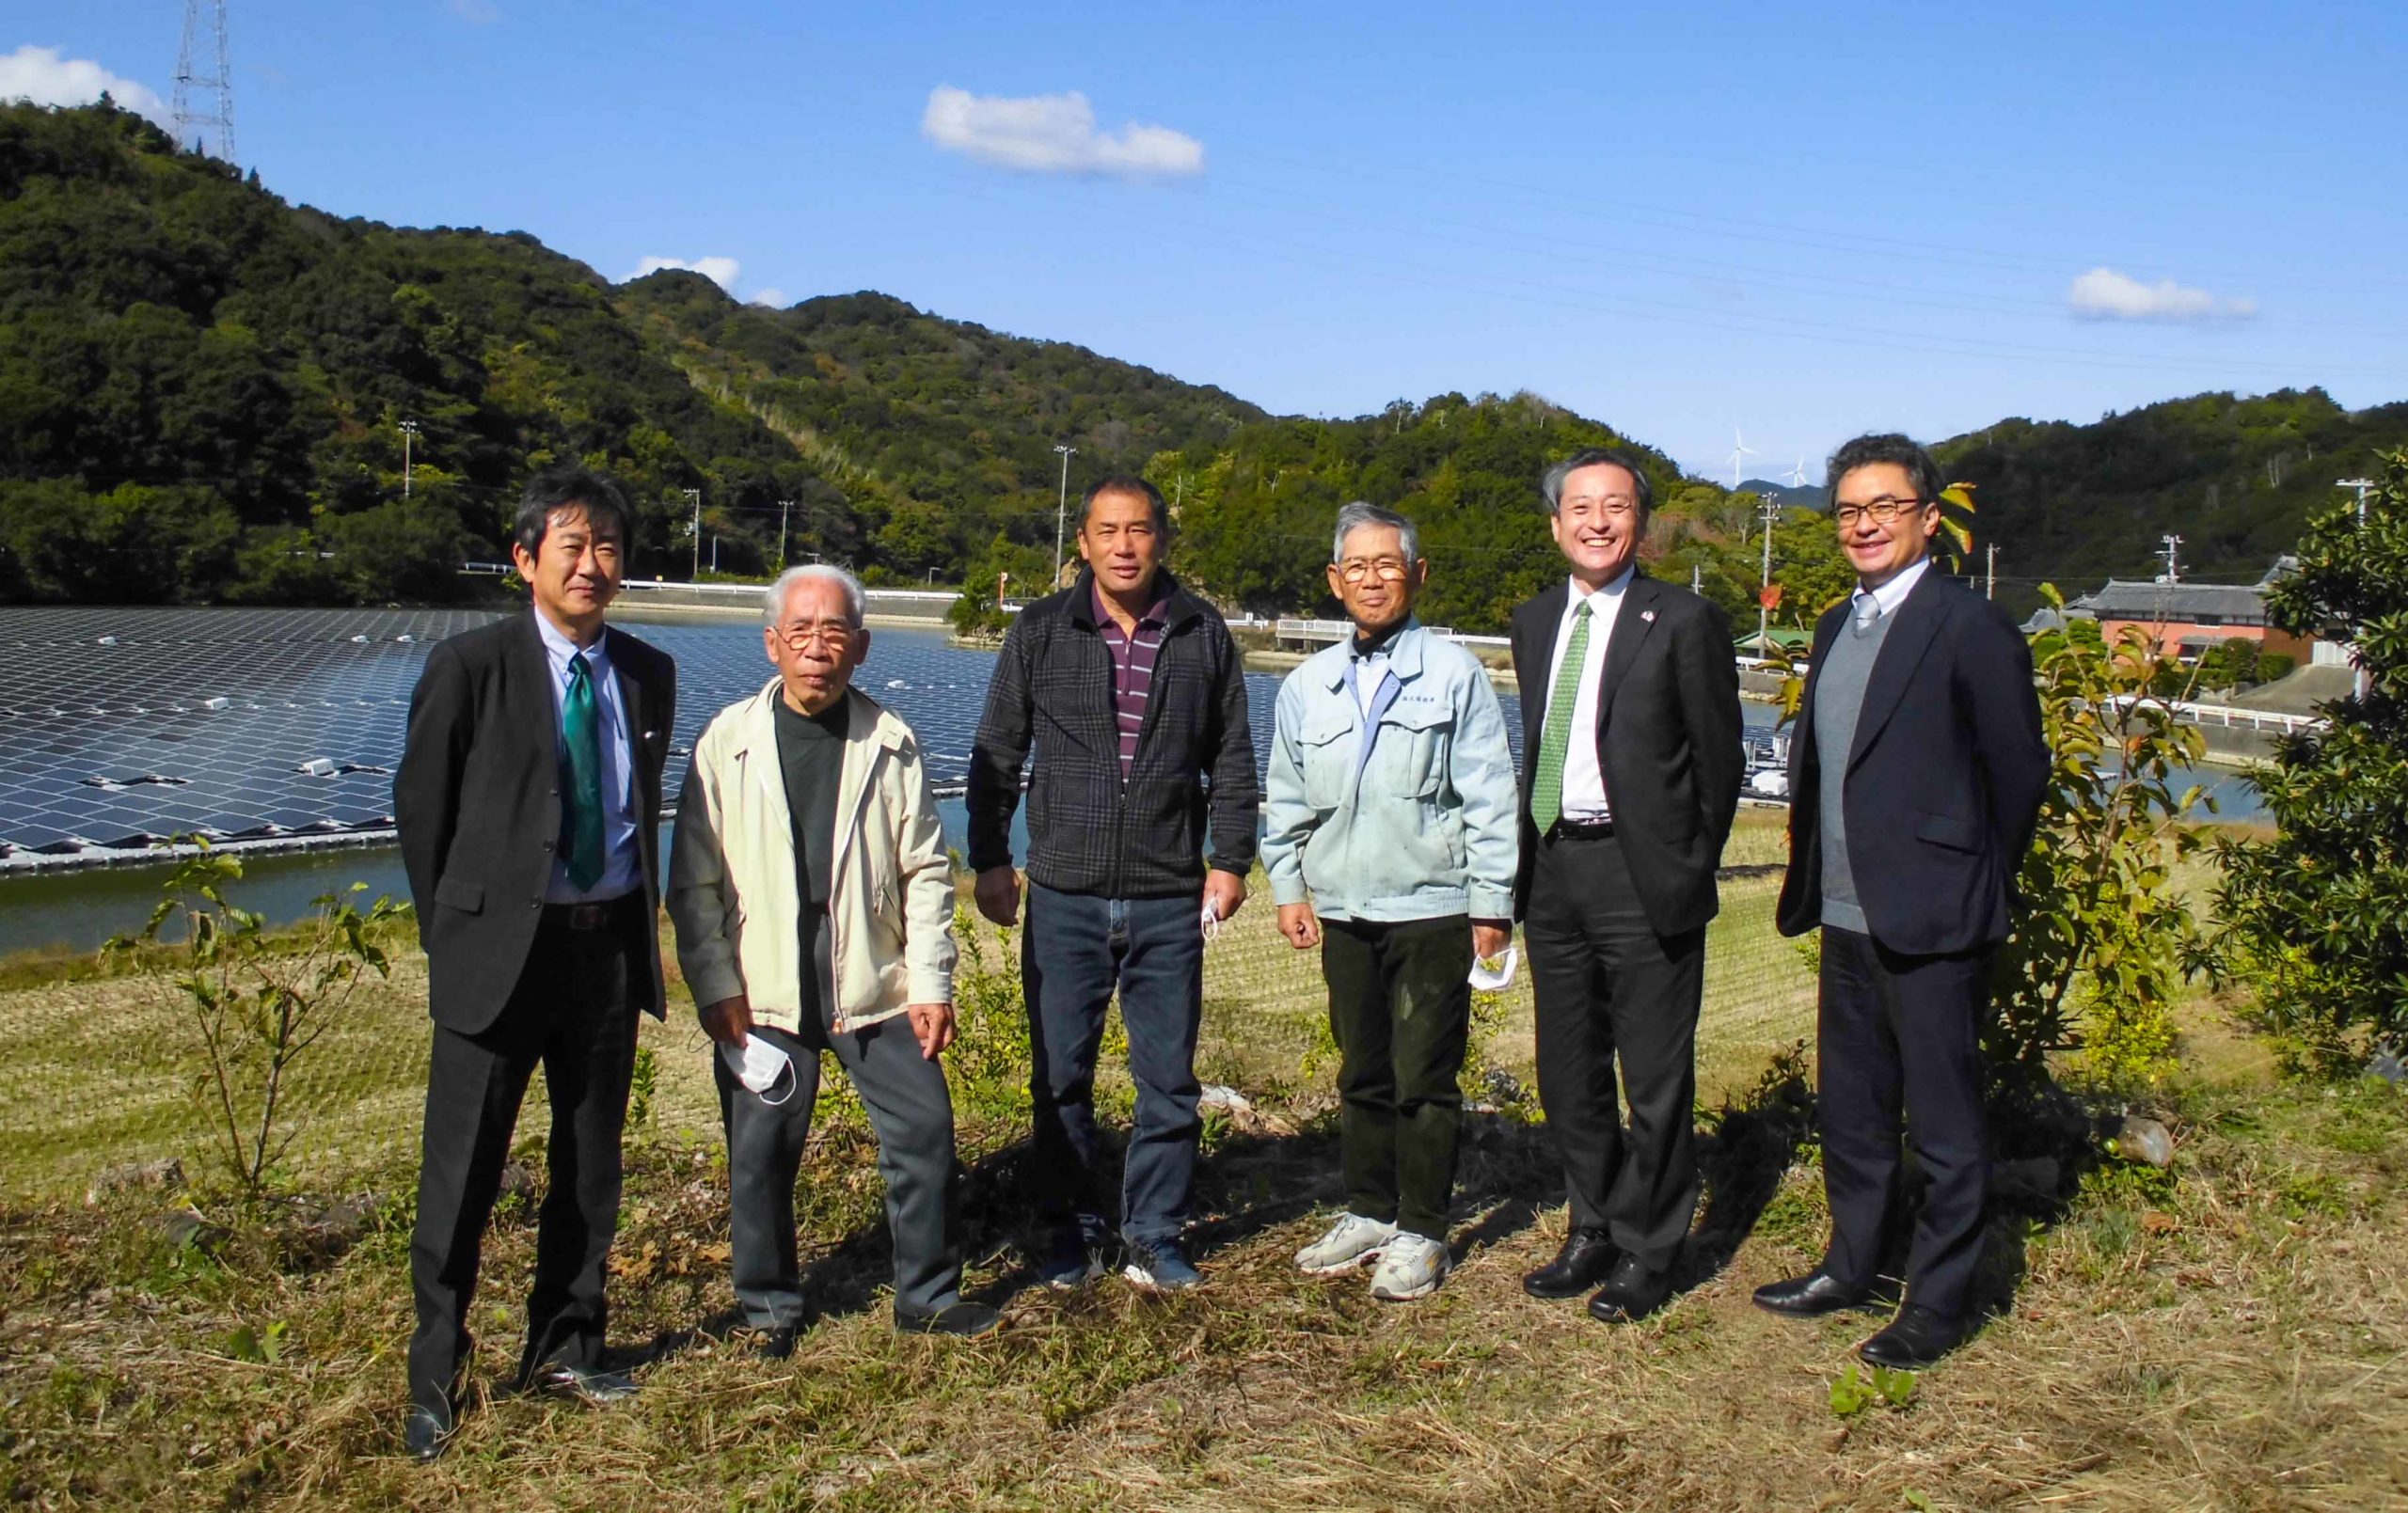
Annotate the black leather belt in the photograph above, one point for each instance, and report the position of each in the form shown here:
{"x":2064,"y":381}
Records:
{"x":586,"y":916}
{"x":1580,"y":830}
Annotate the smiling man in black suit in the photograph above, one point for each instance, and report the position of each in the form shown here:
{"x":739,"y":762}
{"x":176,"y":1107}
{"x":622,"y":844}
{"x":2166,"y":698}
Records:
{"x":1915,"y":778}
{"x":1631,"y":772}
{"x":528,"y":804}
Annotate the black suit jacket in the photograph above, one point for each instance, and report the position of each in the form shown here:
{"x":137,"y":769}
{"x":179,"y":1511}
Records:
{"x":477,"y":802}
{"x":1944,"y":777}
{"x":1668,"y":741}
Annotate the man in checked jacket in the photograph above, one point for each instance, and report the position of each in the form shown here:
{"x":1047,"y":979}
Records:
{"x":1133,"y":694}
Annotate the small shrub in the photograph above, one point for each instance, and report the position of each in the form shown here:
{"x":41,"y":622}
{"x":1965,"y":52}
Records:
{"x":254,"y":1004}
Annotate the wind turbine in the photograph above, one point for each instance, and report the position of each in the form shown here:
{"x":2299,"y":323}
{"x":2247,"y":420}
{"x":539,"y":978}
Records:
{"x":1739,"y":448}
{"x":1797,"y":475}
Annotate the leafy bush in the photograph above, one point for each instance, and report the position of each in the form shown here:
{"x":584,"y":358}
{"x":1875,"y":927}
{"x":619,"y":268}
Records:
{"x":2094,"y":961}
{"x":2315,"y":918}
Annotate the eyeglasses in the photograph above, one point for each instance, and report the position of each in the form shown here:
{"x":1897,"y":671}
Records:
{"x":1881,"y":512}
{"x":832,"y":634}
{"x":1611,"y":504}
{"x":1358,"y":570}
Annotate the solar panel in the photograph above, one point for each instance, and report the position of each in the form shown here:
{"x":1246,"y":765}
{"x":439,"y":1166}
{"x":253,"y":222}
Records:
{"x":229,"y":704}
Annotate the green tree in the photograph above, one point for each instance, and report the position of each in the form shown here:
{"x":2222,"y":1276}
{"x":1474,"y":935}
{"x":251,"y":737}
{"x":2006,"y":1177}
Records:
{"x":2315,"y":918}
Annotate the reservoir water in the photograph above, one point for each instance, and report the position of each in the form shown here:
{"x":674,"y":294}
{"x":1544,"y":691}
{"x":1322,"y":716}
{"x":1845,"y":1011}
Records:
{"x":288,"y":724}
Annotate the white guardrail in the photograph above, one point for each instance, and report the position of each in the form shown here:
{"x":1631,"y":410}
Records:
{"x":1338,"y":630}
{"x":2231,"y":717}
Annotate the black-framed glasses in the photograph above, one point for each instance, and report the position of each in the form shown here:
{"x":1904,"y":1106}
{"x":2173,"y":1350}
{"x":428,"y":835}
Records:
{"x":1881,"y":512}
{"x":1359,"y":569}
{"x":836,"y":635}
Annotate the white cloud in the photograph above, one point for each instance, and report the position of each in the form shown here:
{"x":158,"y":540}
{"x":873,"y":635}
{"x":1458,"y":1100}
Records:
{"x":41,"y":76}
{"x":476,"y":12}
{"x":1053,"y":134}
{"x":2104,"y":295}
{"x":774,"y":298}
{"x":720,"y":271}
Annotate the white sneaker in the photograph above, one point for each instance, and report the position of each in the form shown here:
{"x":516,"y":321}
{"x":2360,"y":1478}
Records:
{"x":1412,"y":1267}
{"x":1353,"y":1241}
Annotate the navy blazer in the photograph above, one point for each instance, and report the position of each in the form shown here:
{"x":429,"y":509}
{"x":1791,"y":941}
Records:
{"x":477,"y":803}
{"x":1944,"y":778}
{"x":1668,"y":741}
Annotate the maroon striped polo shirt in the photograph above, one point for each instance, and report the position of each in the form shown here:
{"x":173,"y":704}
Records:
{"x":1132,"y":666}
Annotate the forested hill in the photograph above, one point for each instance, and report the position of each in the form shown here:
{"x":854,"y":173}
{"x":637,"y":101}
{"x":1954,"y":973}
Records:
{"x":202,"y":392}
{"x":2236,"y":479}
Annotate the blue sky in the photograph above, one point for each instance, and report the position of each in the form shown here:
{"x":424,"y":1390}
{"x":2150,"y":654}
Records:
{"x":1803,"y":221}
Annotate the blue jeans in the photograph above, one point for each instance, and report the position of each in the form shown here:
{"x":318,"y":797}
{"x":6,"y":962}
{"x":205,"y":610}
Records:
{"x":1077,"y":950}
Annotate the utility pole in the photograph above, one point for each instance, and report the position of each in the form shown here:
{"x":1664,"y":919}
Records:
{"x":1697,"y":578}
{"x":409,"y":434}
{"x":714,"y":551}
{"x":785,"y":512}
{"x":2173,"y":574}
{"x":1061,"y":511}
{"x":1990,"y":589}
{"x":2359,"y":686}
{"x":1764,"y":611}
{"x":694,"y":529}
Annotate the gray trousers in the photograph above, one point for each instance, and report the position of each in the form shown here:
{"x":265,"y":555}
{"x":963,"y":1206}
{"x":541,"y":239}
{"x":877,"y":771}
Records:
{"x":911,"y":1110}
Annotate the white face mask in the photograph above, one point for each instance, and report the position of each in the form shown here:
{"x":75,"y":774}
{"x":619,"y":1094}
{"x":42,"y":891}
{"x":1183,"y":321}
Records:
{"x":758,"y":1065}
{"x":1496,"y":974}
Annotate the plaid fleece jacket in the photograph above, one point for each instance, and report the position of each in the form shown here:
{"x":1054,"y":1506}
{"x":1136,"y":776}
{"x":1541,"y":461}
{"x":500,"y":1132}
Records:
{"x":1089,"y":831}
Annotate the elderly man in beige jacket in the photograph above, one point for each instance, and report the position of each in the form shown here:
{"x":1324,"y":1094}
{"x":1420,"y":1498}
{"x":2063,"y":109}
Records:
{"x":814,"y":908}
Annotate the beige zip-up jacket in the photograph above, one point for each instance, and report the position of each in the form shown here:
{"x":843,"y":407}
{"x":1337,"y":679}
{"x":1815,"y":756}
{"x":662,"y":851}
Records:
{"x":732,"y":893}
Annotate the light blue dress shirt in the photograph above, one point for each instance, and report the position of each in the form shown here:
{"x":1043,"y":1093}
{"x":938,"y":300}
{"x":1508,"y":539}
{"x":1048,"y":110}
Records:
{"x":623,"y":865}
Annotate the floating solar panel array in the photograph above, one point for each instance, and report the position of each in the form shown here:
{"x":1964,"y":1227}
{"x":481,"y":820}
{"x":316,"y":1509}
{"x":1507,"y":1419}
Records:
{"x":121,"y":727}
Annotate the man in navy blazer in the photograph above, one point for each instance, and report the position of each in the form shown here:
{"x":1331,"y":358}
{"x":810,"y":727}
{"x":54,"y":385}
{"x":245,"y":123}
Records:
{"x":1631,"y":776}
{"x":1916,"y":774}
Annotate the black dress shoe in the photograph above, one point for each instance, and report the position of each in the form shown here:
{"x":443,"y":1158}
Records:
{"x":965,"y":1319}
{"x":1631,"y":1293}
{"x":586,"y":1383}
{"x":1586,"y":1257}
{"x":775,"y":1343}
{"x":1918,"y":1337}
{"x":425,"y":1434}
{"x":1811,"y":1295}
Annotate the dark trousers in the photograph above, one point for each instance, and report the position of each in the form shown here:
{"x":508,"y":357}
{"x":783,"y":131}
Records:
{"x":1607,"y":989}
{"x":1900,"y":1034}
{"x":1076,"y":951}
{"x":573,"y":1013}
{"x":912,"y":1111}
{"x":1399,"y":1009}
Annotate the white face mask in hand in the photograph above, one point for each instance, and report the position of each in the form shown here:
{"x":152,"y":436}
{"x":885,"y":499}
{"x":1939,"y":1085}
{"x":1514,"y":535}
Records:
{"x":758,"y":1065}
{"x":1488,"y":978}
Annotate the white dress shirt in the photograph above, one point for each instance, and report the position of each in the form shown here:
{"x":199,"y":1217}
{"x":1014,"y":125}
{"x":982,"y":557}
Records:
{"x":622,"y":861}
{"x":1584,"y":780}
{"x":1886,"y":599}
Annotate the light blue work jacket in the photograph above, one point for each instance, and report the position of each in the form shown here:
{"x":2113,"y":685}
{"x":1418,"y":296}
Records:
{"x":1417,"y":824}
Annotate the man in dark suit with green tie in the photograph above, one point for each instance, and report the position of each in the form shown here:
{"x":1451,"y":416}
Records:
{"x":1631,"y":771}
{"x":528,"y":805}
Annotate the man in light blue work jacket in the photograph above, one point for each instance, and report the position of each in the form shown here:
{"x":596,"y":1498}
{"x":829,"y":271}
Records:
{"x":1389,"y":835}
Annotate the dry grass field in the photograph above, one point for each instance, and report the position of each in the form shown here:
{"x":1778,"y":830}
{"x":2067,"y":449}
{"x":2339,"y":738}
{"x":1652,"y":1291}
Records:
{"x":2230,"y":1334}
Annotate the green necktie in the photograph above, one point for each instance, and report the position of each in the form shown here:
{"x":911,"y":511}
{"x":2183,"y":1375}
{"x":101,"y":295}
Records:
{"x":582,"y":732}
{"x":1546,"y":781}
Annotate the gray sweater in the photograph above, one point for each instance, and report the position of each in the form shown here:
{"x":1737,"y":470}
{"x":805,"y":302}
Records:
{"x":1839,"y":699}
